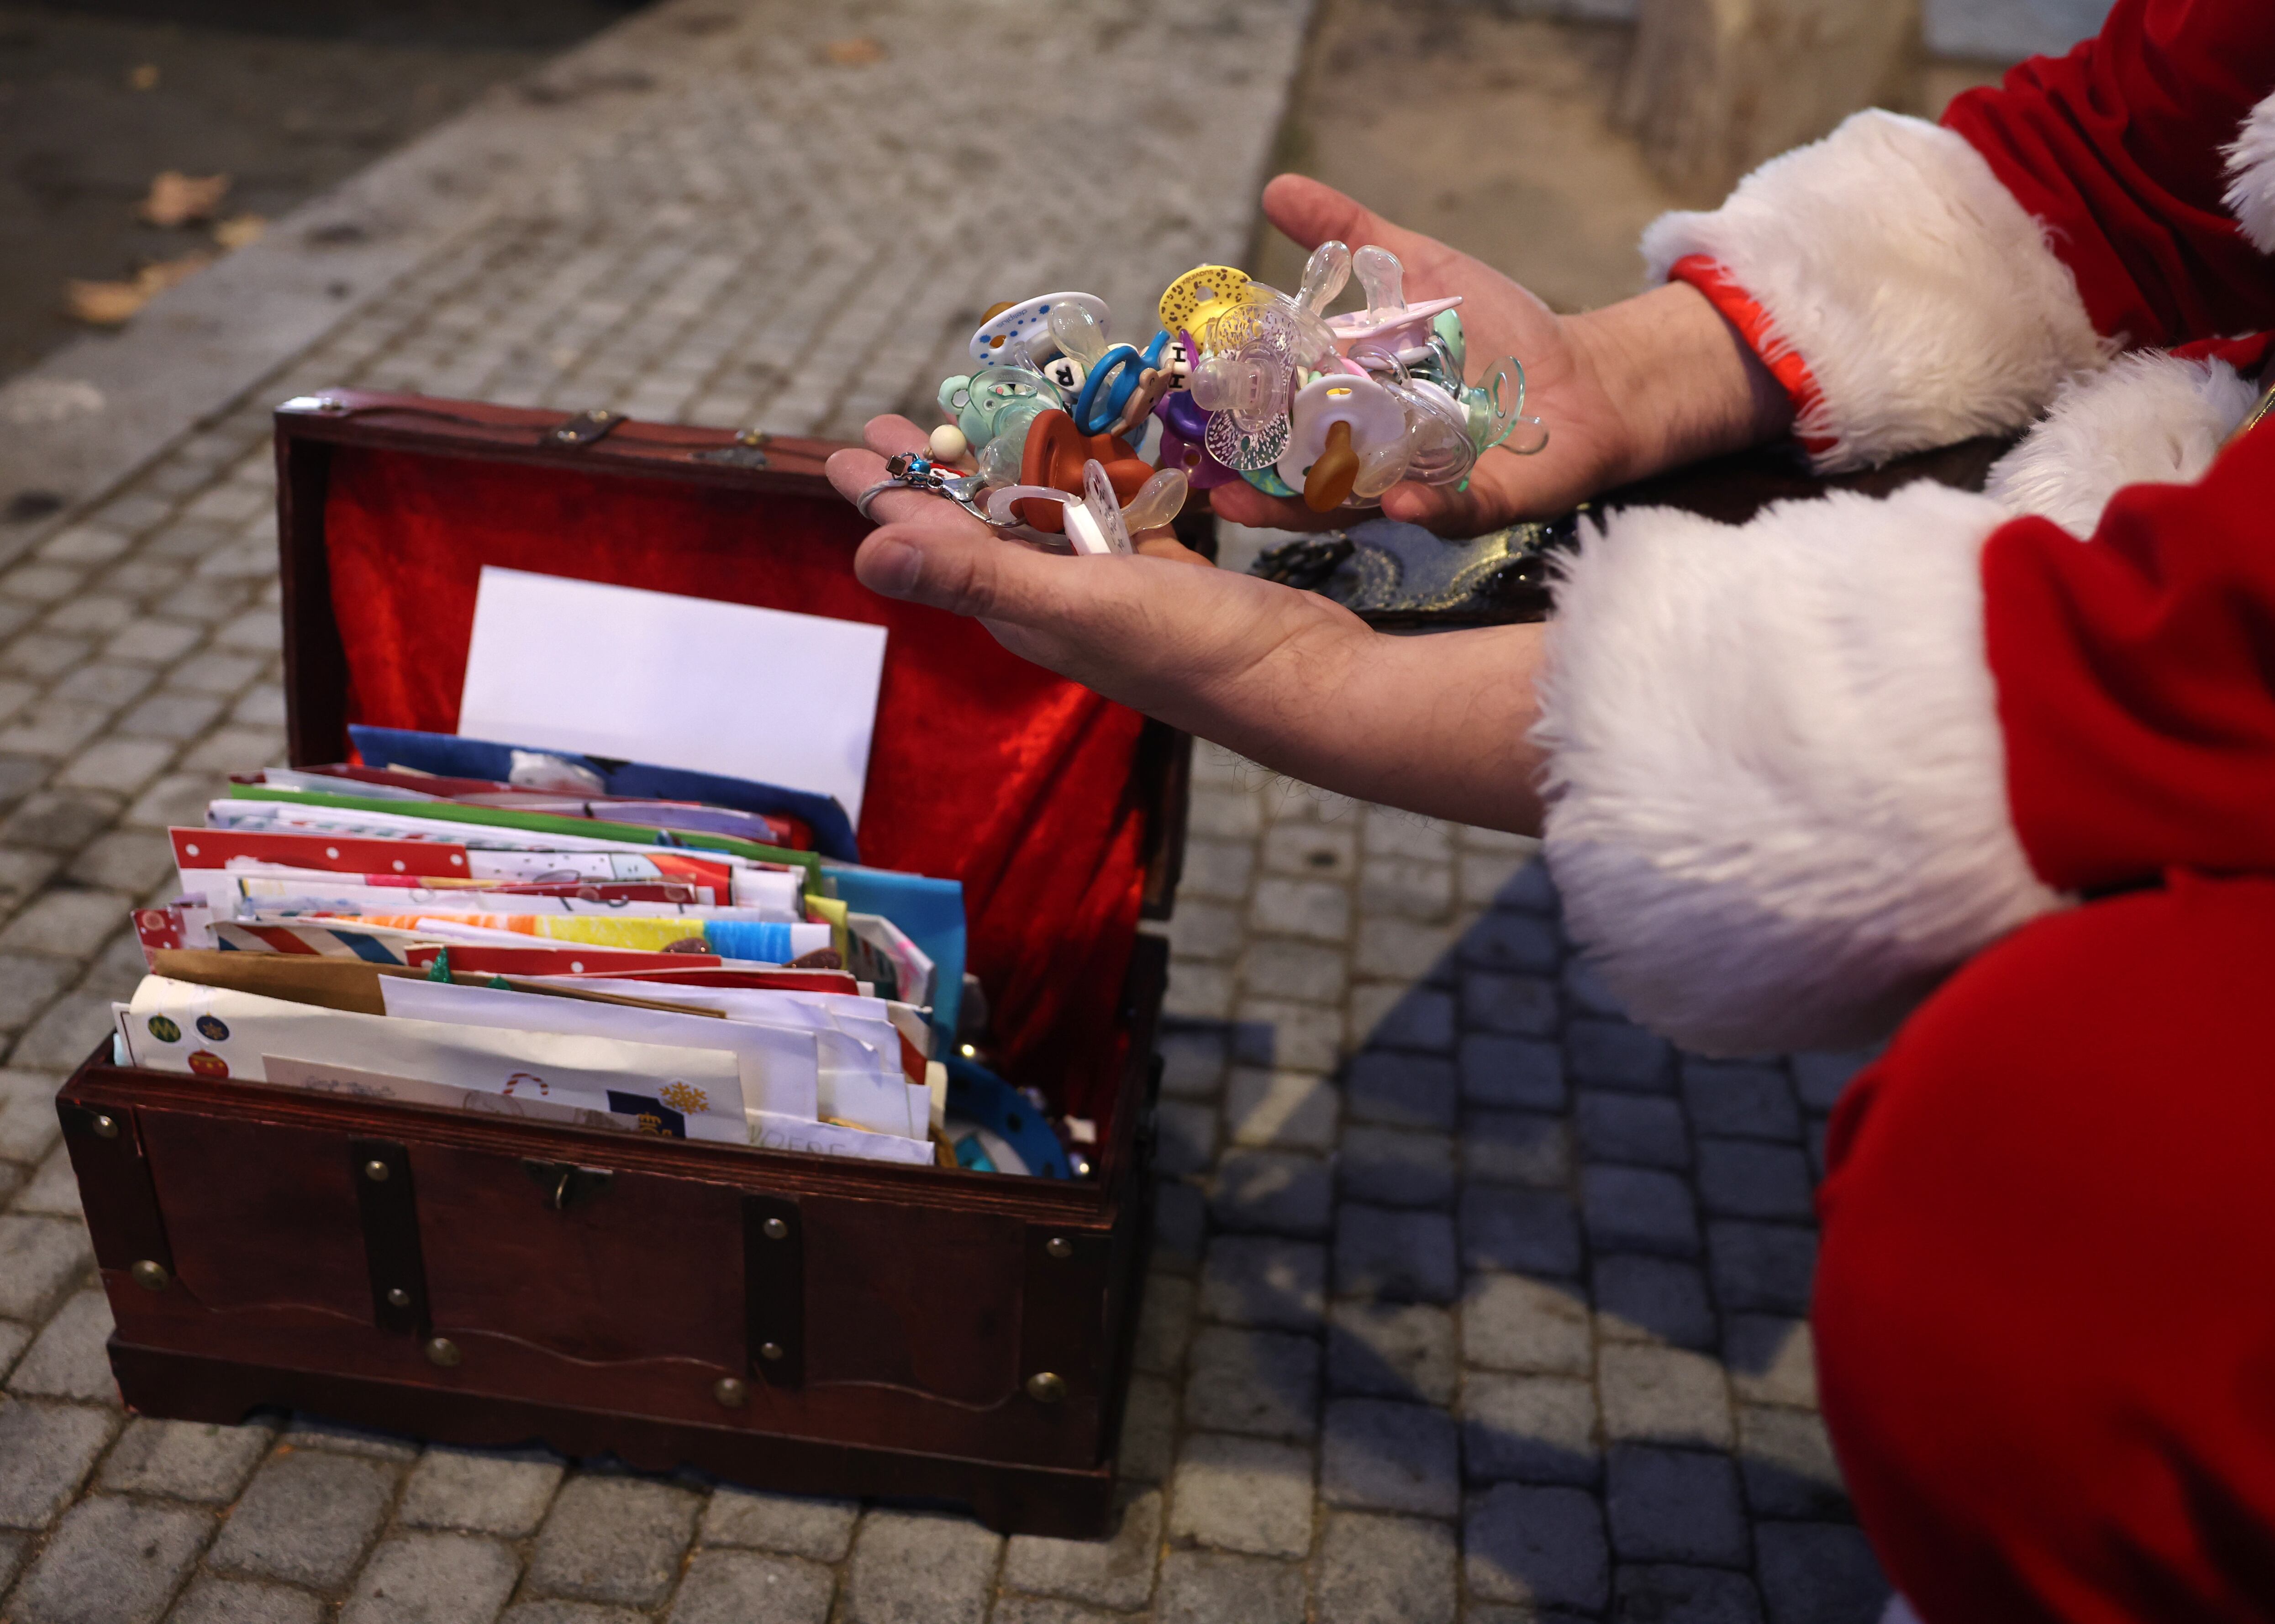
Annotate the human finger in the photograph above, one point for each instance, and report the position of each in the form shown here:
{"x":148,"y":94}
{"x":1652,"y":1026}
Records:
{"x":853,"y":471}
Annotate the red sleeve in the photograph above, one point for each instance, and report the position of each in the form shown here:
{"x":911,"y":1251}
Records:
{"x":2135,"y":677}
{"x":2119,"y":149}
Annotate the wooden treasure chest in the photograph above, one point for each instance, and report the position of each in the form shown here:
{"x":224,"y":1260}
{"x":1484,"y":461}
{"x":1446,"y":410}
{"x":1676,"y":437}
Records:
{"x":783,"y":1320}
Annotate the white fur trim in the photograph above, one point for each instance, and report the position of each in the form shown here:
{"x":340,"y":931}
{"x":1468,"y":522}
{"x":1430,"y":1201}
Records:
{"x":1922,"y":295}
{"x":2251,"y":177}
{"x":2150,"y":418}
{"x":1778,"y":803}
{"x":1899,"y":1612}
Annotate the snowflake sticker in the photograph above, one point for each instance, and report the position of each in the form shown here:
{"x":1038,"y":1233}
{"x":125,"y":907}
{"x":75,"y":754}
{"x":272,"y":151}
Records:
{"x":683,"y":1096}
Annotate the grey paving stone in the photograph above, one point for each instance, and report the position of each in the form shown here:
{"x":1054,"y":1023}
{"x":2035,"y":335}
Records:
{"x":1312,"y":849}
{"x":736,"y":1587}
{"x":1674,"y":1505}
{"x":1787,"y":1461}
{"x":1521,"y":1231}
{"x":1198,"y":991}
{"x":46,"y":1451}
{"x":1520,"y":1073}
{"x":1165,"y":1325}
{"x":1638,"y":1209}
{"x":186,"y":1460}
{"x":1277,"y":1192}
{"x":1395,"y":1256}
{"x":67,"y":1032}
{"x":1588,"y":992}
{"x":1391,"y":1351}
{"x":613,"y":1539}
{"x":1739,"y":1178}
{"x":1187,"y":1142}
{"x":1193,"y":1060}
{"x":1180,"y":1223}
{"x":27,"y":983}
{"x":1521,"y":1006}
{"x":1265,"y":1383}
{"x":1652,"y":1299}
{"x":1516,"y":1147}
{"x":1772,"y":1360}
{"x":793,"y":1524}
{"x":1213,"y":1587}
{"x":1390,"y":1167}
{"x":481,"y":1491}
{"x":1116,"y":1572}
{"x":1244,"y":1494}
{"x":1618,"y":1054}
{"x":128,"y":860}
{"x":209,"y":1600}
{"x":1269,"y":1034}
{"x":1662,"y":1593}
{"x":1205,"y":931}
{"x":1405,"y":888}
{"x":1384,"y":1570}
{"x":1402,"y":949}
{"x":1663,"y":1395}
{"x":1510,"y":942}
{"x":1646,"y":1130}
{"x":13,"y":1339}
{"x":1399,"y":1090}
{"x":1377,"y":1456}
{"x":1485,"y":874}
{"x":1285,"y":1110}
{"x":111,"y":1562}
{"x":433,"y":1579}
{"x":1819,"y":1573}
{"x":1216,"y":868}
{"x":67,"y":924}
{"x":68,"y":1359}
{"x":1225,"y":815}
{"x":1308,"y":972}
{"x":916,"y":1568}
{"x":1763,"y":1267}
{"x":1542,"y":1546}
{"x":1149,"y":1430}
{"x":307,"y":1518}
{"x":1316,"y":910}
{"x":1393,"y":832}
{"x":1821,"y":1079}
{"x":1510,"y":1323}
{"x":1740,"y":1099}
{"x":1259,"y":1281}
{"x":1393,"y":1015}
{"x":1533,"y":1428}
{"x":305,"y":1431}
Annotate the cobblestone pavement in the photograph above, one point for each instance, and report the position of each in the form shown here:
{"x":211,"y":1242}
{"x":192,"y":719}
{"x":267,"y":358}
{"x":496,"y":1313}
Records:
{"x":1470,"y":1300}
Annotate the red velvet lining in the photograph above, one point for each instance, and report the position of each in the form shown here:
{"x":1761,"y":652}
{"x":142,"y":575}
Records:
{"x":984,"y":768}
{"x":1743,"y":312}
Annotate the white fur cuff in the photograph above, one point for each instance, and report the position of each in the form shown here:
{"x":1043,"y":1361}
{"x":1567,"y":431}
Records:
{"x":1921,"y":294}
{"x":2251,"y":177}
{"x":1778,"y":809}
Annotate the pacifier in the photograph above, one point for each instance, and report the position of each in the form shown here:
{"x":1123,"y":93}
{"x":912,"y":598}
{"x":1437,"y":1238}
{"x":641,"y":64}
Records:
{"x":1347,"y":438}
{"x":1106,"y":374}
{"x":1389,"y":322}
{"x":1053,"y":457}
{"x":1096,"y":523}
{"x":1244,"y":381}
{"x":1028,"y":323}
{"x":1204,"y":292}
{"x":997,"y":401}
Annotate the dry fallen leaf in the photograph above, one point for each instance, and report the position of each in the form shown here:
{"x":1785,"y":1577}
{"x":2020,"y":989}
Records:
{"x":240,"y":230}
{"x":145,"y":77}
{"x":177,"y":199}
{"x":857,"y":52}
{"x":109,"y":303}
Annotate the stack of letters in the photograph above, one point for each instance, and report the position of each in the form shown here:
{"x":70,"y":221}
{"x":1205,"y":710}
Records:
{"x":567,"y":938}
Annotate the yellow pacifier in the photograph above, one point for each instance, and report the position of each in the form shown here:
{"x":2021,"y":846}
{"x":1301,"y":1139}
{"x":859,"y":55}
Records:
{"x":1204,"y":292}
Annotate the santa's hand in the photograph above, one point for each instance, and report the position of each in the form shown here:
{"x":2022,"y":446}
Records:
{"x":1627,"y":391}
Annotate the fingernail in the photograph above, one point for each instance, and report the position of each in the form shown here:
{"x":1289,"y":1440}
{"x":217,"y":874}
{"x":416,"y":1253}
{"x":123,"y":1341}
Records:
{"x":893,"y":566}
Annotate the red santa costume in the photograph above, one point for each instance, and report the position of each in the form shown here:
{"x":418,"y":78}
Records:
{"x":2002,"y":767}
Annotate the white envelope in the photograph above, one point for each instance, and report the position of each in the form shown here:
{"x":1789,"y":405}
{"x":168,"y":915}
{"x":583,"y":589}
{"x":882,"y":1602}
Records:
{"x":779,"y":1068}
{"x":212,"y":1032}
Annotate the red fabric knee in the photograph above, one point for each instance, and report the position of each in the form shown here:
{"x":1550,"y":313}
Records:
{"x":2045,"y":1299}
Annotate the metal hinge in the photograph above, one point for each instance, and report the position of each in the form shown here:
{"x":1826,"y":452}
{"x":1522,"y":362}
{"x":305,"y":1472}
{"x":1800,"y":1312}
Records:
{"x":567,"y":1186}
{"x":585,"y":427}
{"x":748,"y":451}
{"x":774,"y":1289}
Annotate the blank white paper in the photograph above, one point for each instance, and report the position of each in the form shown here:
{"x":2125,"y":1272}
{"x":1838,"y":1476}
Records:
{"x":785,"y":699}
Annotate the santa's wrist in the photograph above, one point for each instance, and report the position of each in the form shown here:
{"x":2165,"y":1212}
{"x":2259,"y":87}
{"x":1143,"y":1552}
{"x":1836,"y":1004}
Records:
{"x":1683,"y":380}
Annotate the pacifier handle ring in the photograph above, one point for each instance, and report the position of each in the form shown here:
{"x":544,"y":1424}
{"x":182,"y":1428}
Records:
{"x":1121,"y":364}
